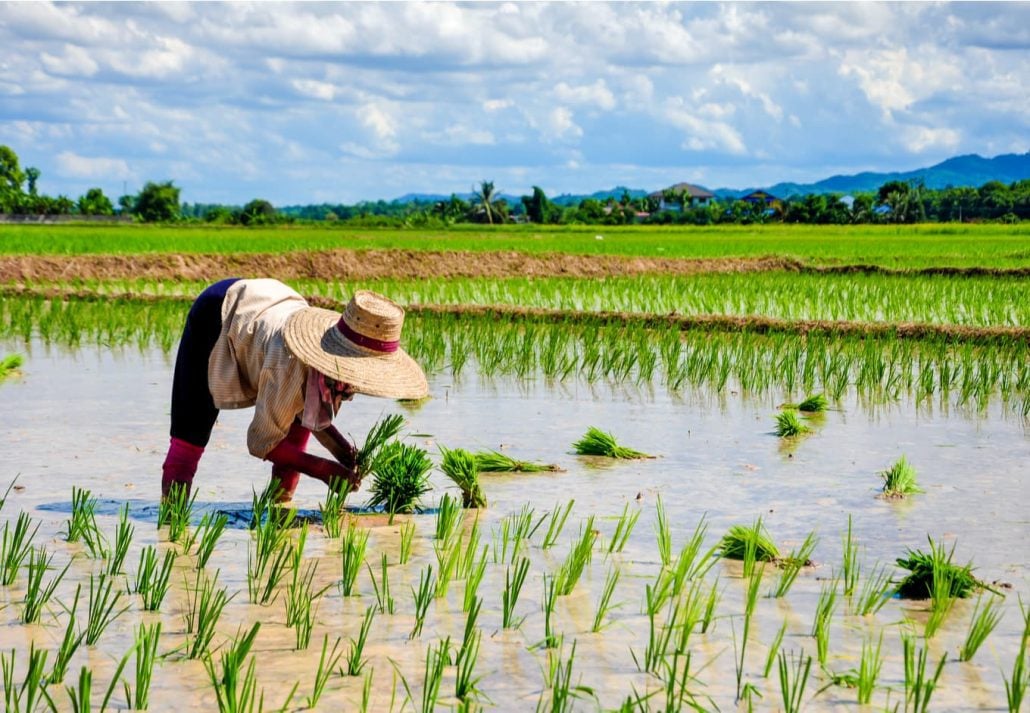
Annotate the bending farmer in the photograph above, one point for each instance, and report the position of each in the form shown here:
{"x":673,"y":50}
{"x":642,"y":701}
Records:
{"x":258,"y":343}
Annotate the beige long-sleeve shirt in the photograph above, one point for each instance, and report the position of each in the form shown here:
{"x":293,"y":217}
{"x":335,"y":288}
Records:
{"x":250,"y":364}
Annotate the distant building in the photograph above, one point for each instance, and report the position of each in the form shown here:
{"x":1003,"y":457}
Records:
{"x":848,"y":200}
{"x":760,"y":197}
{"x":669,"y":198}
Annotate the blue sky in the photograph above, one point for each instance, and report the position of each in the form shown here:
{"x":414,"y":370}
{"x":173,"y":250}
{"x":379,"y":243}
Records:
{"x":339,"y":102}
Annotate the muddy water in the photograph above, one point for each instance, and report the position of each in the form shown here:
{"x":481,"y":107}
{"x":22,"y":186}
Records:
{"x":98,"y":419}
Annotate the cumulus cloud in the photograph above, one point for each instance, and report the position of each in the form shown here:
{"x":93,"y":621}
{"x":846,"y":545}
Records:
{"x":230,"y":97}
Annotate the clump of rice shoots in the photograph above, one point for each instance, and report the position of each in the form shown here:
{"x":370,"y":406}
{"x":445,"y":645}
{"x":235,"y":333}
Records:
{"x":10,"y":365}
{"x":598,"y":443}
{"x":816,"y":403}
{"x":462,"y":468}
{"x":400,"y":478}
{"x":789,"y":425}
{"x":919,"y":583}
{"x":899,"y":480}
{"x":378,"y":436}
{"x":741,"y":540}
{"x":495,"y":462}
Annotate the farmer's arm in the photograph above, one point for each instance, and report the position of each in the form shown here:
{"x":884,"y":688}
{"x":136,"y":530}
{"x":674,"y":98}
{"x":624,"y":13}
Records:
{"x":288,"y":455}
{"x":337,"y":444}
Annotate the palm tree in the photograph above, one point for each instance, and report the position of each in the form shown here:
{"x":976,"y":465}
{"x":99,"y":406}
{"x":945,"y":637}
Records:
{"x":485,"y":201}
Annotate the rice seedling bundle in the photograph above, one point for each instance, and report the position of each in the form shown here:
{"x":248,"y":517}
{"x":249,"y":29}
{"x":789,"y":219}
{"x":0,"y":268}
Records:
{"x":900,"y":479}
{"x":740,"y":540}
{"x":789,"y":425}
{"x":384,"y":431}
{"x":461,"y":467}
{"x":923,"y":566}
{"x":400,"y":478}
{"x":10,"y":365}
{"x":599,"y":443}
{"x":815,"y":403}
{"x":495,"y":462}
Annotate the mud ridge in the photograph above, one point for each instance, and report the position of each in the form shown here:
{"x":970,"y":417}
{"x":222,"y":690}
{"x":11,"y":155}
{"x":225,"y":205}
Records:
{"x":949,"y":333}
{"x":415,"y":264}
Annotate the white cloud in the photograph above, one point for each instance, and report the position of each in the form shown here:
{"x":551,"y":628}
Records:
{"x":702,"y":134}
{"x":315,"y":89}
{"x":492,"y":105}
{"x":560,"y":124}
{"x":74,"y":166}
{"x":918,"y":139}
{"x":72,"y":62}
{"x":596,"y":94}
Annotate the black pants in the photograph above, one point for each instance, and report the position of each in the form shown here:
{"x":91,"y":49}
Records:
{"x":193,"y":409}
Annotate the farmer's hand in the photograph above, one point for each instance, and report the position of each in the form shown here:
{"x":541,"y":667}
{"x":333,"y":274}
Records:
{"x":337,"y":444}
{"x":287,"y":455}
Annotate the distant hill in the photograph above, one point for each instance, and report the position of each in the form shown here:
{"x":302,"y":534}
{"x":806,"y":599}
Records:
{"x":970,"y":170}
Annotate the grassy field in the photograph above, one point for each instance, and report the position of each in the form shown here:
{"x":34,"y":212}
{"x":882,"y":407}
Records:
{"x":993,"y":246}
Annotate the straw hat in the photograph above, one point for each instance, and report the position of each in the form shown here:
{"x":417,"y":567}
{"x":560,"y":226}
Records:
{"x":359,"y":347}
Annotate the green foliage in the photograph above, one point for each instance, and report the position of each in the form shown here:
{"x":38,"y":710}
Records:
{"x":599,"y":443}
{"x":789,"y":425}
{"x":741,"y":541}
{"x":461,"y":467}
{"x":157,"y":203}
{"x":400,"y":478}
{"x":495,"y":462}
{"x":900,"y":479}
{"x":926,"y":569}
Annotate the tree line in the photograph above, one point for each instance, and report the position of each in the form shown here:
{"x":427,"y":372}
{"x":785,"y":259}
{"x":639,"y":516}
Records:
{"x":893,"y":202}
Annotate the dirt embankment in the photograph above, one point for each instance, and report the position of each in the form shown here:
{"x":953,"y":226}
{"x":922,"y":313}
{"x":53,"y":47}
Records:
{"x":408,"y":264}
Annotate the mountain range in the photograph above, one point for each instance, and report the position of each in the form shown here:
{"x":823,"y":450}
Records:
{"x":969,"y":170}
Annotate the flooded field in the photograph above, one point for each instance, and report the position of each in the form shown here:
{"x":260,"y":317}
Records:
{"x":97,"y":419}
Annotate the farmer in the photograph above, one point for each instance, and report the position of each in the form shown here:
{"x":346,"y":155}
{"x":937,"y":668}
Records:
{"x":258,"y":343}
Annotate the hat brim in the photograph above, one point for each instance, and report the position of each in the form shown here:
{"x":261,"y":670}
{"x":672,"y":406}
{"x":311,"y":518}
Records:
{"x":312,"y":337}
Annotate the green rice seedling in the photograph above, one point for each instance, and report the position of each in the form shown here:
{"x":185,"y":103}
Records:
{"x":384,"y":600}
{"x":10,"y":487}
{"x":235,"y":689}
{"x":352,"y":557}
{"x":80,"y":697}
{"x":850,"y":567}
{"x":870,"y":663}
{"x":355,"y":660}
{"x":73,"y":637}
{"x":774,"y":649}
{"x":122,"y":539}
{"x":577,"y":560}
{"x":437,"y":658}
{"x":1016,"y":686}
{"x":209,"y":531}
{"x":263,"y":579}
{"x":604,"y":602}
{"x":447,"y":559}
{"x":494,"y":462}
{"x":32,"y":691}
{"x":152,"y":581}
{"x":466,"y":682}
{"x":407,"y":537}
{"x":693,"y":562}
{"x":623,"y":529}
{"x":556,"y":523}
{"x":790,"y":566}
{"x":824,"y":609}
{"x":741,"y":541}
{"x":941,"y":600}
{"x":423,"y":596}
{"x":332,"y":508}
{"x":302,"y":604}
{"x":599,"y":443}
{"x":448,"y":518}
{"x":562,"y":693}
{"x":204,"y":606}
{"x":376,"y":441}
{"x":270,"y":524}
{"x":794,"y":671}
{"x":146,"y":655}
{"x":788,"y":425}
{"x":899,"y":480}
{"x":750,"y":602}
{"x":103,"y":603}
{"x":175,"y":511}
{"x":547,"y":603}
{"x":473,"y":579}
{"x":400,"y":478}
{"x":467,"y":558}
{"x":513,"y":581}
{"x":326,"y":663}
{"x":711,"y":603}
{"x":36,"y":595}
{"x":919,"y":686}
{"x":659,"y":639}
{"x":15,"y":546}
{"x":663,"y":533}
{"x":471,"y":621}
{"x":460,"y":466}
{"x":875,"y":592}
{"x":366,"y":691}
{"x":919,"y":583}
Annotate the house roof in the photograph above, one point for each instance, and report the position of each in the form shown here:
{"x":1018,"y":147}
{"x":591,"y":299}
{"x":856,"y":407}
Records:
{"x":759,"y":196}
{"x":689,"y":188}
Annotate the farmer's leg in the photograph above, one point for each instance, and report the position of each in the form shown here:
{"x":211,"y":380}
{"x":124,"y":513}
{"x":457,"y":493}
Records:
{"x":284,"y":480}
{"x":193,"y":410}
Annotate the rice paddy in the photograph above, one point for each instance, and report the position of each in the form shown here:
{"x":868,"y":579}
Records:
{"x":733,"y":570}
